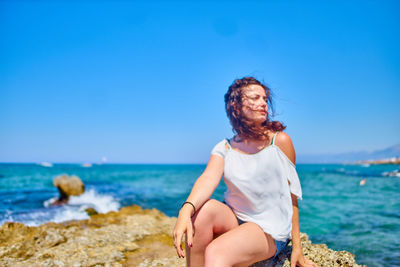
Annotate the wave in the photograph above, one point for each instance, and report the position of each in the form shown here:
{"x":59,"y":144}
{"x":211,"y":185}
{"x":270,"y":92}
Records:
{"x":395,"y":173}
{"x":91,"y":199}
{"x":73,"y":210}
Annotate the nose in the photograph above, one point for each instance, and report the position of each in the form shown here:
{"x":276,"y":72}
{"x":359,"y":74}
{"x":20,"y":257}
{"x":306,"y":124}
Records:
{"x":262,"y":103}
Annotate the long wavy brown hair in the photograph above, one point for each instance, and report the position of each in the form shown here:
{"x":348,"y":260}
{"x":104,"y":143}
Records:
{"x":241,"y":126}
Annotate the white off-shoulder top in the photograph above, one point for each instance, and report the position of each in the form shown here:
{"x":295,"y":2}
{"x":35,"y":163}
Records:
{"x":259,"y":187}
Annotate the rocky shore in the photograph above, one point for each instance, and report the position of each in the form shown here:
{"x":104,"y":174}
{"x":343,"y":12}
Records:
{"x":129,"y":237}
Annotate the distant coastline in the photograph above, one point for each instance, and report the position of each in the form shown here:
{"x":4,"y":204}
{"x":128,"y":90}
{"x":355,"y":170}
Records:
{"x":389,"y":155}
{"x":380,"y":161}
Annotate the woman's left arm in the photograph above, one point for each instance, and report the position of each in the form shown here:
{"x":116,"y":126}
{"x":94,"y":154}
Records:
{"x":297,"y":258}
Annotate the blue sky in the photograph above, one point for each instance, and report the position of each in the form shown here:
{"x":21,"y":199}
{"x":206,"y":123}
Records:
{"x":143,"y":81}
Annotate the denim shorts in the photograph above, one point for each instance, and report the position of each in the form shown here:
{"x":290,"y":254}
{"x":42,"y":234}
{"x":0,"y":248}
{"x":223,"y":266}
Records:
{"x":280,"y":245}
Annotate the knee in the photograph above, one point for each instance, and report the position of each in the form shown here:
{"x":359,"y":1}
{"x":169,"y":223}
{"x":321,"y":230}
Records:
{"x":215,"y":255}
{"x":203,"y":223}
{"x":206,"y":213}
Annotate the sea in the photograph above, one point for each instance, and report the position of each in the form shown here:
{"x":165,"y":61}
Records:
{"x":347,"y":207}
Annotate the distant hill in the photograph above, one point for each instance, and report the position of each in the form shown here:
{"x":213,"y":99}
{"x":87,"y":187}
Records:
{"x":390,"y":152}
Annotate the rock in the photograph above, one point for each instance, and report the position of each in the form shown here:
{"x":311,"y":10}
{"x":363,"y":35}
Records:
{"x":68,"y":186}
{"x":91,"y":211}
{"x":129,"y":237}
{"x":319,"y":253}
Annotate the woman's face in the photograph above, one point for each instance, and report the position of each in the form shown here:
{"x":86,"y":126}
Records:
{"x":254,"y":103}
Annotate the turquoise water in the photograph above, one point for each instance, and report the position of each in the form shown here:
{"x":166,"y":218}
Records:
{"x":335,"y":209}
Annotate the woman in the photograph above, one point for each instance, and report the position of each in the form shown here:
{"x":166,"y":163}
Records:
{"x":261,"y":211}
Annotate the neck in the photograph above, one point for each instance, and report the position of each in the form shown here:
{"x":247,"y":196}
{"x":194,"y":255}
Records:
{"x":247,"y":141}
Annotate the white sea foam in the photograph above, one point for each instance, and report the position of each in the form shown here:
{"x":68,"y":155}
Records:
{"x":395,"y":173}
{"x":7,"y":217}
{"x":101,"y":203}
{"x":76,"y":206}
{"x":73,"y":210}
{"x":69,"y":214}
{"x":61,"y":214}
{"x":48,"y":202}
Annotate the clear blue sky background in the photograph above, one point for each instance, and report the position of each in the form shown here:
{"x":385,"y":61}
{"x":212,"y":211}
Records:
{"x":143,"y":81}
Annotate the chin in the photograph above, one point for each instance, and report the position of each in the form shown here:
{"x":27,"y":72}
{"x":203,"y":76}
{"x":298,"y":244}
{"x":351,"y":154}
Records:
{"x":259,"y":120}
{"x":262,"y":118}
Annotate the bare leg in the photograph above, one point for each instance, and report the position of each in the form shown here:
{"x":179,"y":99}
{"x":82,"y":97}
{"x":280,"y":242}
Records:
{"x":241,"y":246}
{"x":213,"y":219}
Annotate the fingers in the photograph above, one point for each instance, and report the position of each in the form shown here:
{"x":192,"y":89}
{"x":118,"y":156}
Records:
{"x":292,"y":263}
{"x":182,"y":251}
{"x":178,"y":243}
{"x":190,"y":235}
{"x":310,"y":263}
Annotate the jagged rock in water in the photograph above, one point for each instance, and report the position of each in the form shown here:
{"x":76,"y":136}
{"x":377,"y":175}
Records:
{"x":68,"y":186}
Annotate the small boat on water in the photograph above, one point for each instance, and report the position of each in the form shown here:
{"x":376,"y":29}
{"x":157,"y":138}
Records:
{"x":46,"y":164}
{"x":87,"y":165}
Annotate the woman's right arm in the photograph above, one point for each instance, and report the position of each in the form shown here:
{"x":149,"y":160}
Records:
{"x":201,"y":192}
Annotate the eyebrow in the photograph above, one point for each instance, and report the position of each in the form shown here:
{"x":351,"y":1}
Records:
{"x":256,"y":94}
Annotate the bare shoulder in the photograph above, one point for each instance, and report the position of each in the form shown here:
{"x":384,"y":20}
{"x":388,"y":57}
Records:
{"x":215,"y":166}
{"x":284,"y":142}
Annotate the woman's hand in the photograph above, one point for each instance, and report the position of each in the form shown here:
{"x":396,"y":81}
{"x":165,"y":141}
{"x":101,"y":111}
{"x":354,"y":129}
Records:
{"x":201,"y":192}
{"x":183,"y":225}
{"x":297,"y":259}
